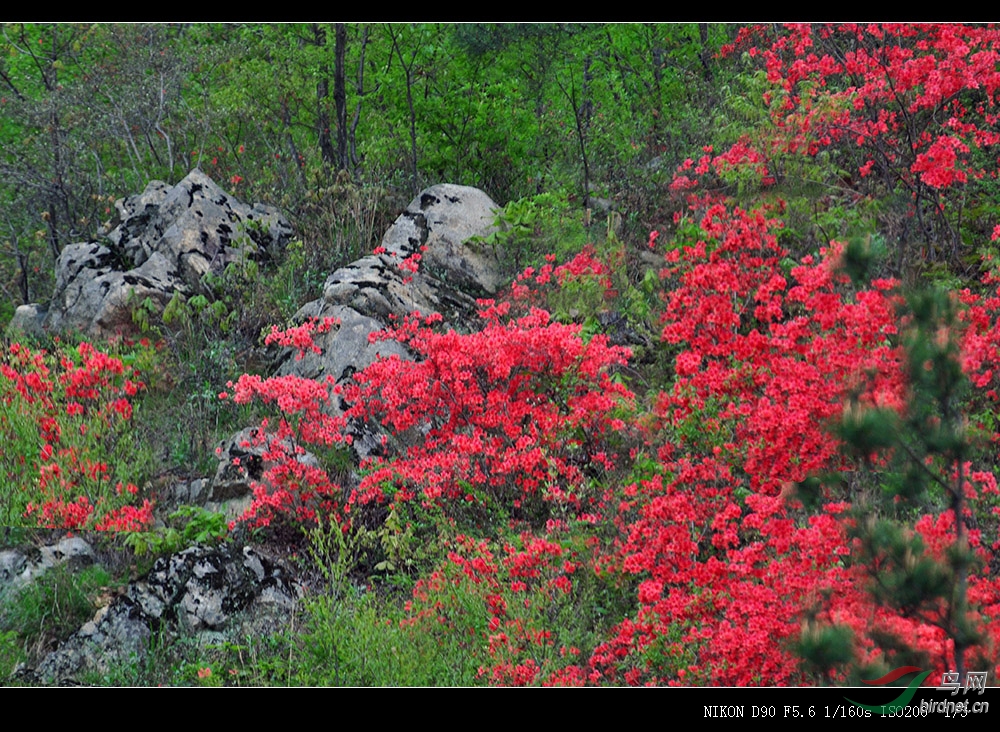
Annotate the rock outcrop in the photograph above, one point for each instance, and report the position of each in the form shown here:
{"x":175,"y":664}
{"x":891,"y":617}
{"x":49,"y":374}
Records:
{"x":432,"y":236}
{"x":209,"y":593}
{"x":19,"y":568}
{"x":429,"y":262}
{"x":167,"y":240}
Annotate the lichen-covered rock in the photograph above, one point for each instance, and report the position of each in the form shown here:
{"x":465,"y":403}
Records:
{"x":98,"y":300}
{"x":345,"y":349}
{"x":441,"y":225}
{"x":367,"y":294}
{"x":28,"y":319}
{"x":168,"y":239}
{"x":428,"y":264}
{"x":199,"y":228}
{"x":201,"y":590}
{"x":19,"y":568}
{"x":242,"y":463}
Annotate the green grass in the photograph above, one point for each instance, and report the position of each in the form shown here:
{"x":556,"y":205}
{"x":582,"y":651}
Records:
{"x":36,"y":618}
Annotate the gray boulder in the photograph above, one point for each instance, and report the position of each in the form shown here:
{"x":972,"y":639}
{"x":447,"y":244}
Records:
{"x":441,"y":225}
{"x":444,"y":218}
{"x":210,"y":593}
{"x":18,"y":568}
{"x":367,"y":294}
{"x":198,"y":227}
{"x":168,"y":239}
{"x":96,"y":298}
{"x":346,"y":348}
{"x":28,"y":319}
{"x":242,"y":463}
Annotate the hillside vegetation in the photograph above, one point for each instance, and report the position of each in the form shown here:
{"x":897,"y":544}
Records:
{"x":733,"y":421}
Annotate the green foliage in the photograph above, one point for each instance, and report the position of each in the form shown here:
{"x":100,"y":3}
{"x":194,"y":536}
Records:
{"x":7,"y":309}
{"x":22,"y":441}
{"x":188,"y":525}
{"x":408,"y":544}
{"x":196,"y":356}
{"x":11,"y":653}
{"x":910,"y":580}
{"x":919,"y":456}
{"x":532,"y":227}
{"x":352,"y":642}
{"x":294,"y":282}
{"x":143,"y":311}
{"x":350,"y":638}
{"x":825,"y":647}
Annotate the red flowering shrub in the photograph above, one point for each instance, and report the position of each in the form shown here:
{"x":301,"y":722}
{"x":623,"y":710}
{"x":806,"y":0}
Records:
{"x":768,"y":356}
{"x":519,"y":412}
{"x":62,"y":418}
{"x":518,"y":422}
{"x":519,"y":607}
{"x":522,"y":412}
{"x":908,"y":111}
{"x":730,"y":567}
{"x":294,"y":488}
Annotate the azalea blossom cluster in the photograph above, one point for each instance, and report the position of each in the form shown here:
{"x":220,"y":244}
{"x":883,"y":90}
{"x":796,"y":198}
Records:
{"x":517,"y":412}
{"x":293,"y":487}
{"x":909,"y":109}
{"x":521,"y":414}
{"x":916,"y":95}
{"x":509,"y":595}
{"x":768,"y":356}
{"x":511,"y":412}
{"x":61,"y":417}
{"x":767,"y":362}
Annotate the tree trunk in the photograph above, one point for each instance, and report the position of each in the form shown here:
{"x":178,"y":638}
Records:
{"x":353,"y":139}
{"x":340,"y":94}
{"x":286,"y":120}
{"x":704,"y":54}
{"x":409,"y":101}
{"x":322,"y":106}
